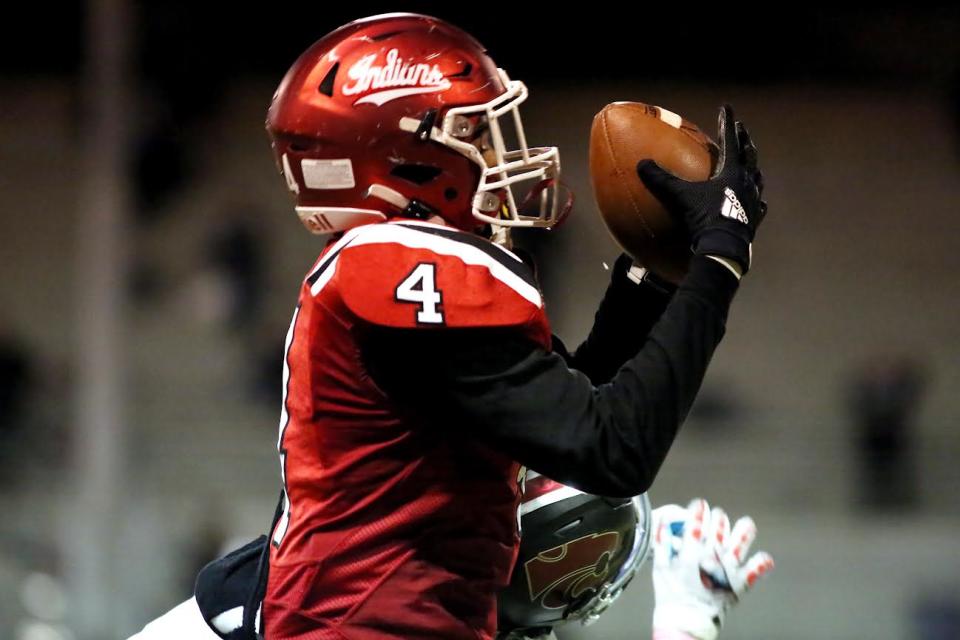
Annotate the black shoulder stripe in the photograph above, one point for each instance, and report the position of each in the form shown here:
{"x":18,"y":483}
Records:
{"x":515,"y":266}
{"x":324,"y":265}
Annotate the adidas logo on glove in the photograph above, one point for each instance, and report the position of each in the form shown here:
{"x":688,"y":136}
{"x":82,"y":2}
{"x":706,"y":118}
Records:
{"x":732,"y":208}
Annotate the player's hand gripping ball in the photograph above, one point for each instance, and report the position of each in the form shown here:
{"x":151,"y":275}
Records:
{"x":623,"y":134}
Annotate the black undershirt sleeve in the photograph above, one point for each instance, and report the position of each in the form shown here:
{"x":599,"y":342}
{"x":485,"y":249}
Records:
{"x":621,"y":324}
{"x":495,"y":387}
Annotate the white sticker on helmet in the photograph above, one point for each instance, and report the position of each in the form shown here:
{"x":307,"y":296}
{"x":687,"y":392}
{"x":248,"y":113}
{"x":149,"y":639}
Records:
{"x":328,"y":174}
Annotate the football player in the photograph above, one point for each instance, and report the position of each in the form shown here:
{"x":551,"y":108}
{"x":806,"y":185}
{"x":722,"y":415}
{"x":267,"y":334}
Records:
{"x":420,"y":371}
{"x":578,"y":553}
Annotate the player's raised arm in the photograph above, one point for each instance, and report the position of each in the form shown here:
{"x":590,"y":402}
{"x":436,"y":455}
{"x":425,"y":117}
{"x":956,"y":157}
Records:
{"x":632,"y":304}
{"x":500,"y":387}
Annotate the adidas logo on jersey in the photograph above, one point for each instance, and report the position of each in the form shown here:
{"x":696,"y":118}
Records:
{"x":732,"y":208}
{"x":395,"y":79}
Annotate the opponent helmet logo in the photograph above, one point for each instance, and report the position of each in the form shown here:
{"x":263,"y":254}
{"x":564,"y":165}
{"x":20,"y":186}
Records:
{"x":561,"y":574}
{"x":395,"y":79}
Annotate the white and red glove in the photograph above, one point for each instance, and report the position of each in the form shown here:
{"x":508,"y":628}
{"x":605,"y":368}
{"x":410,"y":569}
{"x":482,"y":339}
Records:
{"x":699,"y":569}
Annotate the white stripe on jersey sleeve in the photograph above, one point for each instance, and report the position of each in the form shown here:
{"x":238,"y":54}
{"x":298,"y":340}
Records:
{"x":325,"y":277}
{"x":332,"y":253}
{"x":421,"y":223}
{"x":397,"y":234}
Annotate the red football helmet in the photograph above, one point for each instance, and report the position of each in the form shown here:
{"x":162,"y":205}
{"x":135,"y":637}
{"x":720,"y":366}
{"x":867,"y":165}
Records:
{"x":405,"y":115}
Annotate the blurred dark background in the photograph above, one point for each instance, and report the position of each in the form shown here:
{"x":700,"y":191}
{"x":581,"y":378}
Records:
{"x":181,"y":41}
{"x":151,"y":260}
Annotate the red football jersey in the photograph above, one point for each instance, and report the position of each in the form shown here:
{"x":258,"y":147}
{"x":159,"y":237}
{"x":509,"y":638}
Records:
{"x":389,"y":531}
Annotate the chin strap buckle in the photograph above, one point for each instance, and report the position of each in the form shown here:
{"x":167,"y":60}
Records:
{"x":418,"y":210}
{"x":408,"y":208}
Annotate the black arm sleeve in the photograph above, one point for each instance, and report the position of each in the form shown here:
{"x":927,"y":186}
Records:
{"x":519,"y":399}
{"x":625,"y":316}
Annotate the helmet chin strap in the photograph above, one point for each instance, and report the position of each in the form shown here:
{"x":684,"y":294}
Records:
{"x":501,"y":236}
{"x":416,"y":209}
{"x":388,"y":195}
{"x":424,"y":128}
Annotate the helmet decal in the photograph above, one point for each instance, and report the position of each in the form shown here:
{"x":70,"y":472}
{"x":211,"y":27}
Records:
{"x":556,"y":584}
{"x":394,"y":79}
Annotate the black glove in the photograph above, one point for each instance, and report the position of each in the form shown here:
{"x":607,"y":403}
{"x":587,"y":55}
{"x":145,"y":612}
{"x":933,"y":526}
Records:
{"x":721,"y":214}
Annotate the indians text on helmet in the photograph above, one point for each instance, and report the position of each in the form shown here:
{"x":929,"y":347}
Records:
{"x":395,"y":79}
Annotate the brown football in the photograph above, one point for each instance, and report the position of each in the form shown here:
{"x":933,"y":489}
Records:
{"x":624,"y":133}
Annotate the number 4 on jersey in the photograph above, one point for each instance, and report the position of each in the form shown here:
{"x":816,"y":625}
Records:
{"x":420,"y":287}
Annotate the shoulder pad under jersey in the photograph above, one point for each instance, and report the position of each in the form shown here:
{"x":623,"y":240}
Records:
{"x":410,"y":275}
